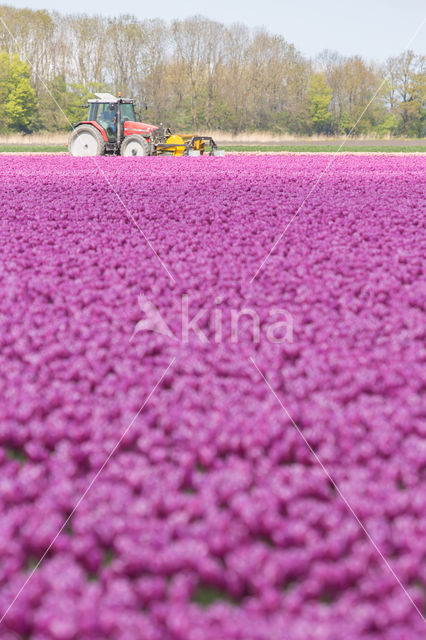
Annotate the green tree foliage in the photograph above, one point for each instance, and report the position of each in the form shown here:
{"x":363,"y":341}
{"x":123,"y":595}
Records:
{"x":319,"y":95}
{"x":17,"y":96}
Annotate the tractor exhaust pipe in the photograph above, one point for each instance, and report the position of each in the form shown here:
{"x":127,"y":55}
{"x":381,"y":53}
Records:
{"x":119,"y":132}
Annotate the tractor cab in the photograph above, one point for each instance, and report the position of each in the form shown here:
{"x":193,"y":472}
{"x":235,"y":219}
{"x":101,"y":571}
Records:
{"x":106,"y":110}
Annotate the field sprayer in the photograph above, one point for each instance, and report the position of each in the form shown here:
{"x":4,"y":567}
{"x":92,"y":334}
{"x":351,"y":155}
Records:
{"x":111,"y":129}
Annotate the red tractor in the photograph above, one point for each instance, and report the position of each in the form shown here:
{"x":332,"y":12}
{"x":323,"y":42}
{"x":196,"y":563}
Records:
{"x":111,"y":128}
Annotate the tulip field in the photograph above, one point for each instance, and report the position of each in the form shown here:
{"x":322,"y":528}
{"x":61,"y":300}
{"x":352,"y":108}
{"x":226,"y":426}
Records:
{"x":163,"y":479}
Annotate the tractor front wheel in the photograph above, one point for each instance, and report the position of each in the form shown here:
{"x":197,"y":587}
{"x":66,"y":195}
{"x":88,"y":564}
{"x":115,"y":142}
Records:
{"x":86,"y":140}
{"x":134,"y":145}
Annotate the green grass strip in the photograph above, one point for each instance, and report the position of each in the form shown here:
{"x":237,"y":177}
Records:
{"x":326,"y":148}
{"x":30,"y":148}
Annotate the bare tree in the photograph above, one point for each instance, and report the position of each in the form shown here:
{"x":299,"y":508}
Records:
{"x":407,"y":89}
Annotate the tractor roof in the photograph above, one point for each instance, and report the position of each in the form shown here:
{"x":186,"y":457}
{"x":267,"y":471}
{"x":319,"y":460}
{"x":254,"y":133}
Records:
{"x":108,"y":97}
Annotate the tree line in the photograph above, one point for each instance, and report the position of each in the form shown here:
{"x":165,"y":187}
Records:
{"x":197,"y":73}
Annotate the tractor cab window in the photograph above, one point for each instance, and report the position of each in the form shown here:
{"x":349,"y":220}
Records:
{"x":106,"y":111}
{"x":127,"y":112}
{"x":107,"y":117}
{"x":92,"y":111}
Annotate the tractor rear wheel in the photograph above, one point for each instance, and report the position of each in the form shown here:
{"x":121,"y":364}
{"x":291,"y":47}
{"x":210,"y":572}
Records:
{"x":86,"y":140}
{"x":134,"y":145}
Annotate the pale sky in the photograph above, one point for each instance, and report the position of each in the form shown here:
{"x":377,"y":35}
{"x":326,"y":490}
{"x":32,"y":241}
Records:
{"x":374,"y":29}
